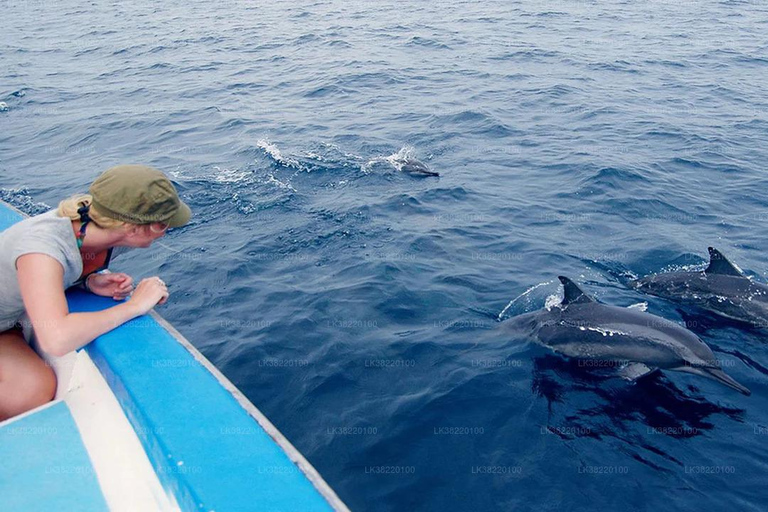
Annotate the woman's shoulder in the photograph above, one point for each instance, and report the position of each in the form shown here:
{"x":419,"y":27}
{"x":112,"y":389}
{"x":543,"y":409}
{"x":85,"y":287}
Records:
{"x":46,"y":232}
{"x":49,"y":220}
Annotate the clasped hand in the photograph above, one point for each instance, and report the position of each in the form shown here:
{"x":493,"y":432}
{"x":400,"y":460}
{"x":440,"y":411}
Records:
{"x":116,"y":285}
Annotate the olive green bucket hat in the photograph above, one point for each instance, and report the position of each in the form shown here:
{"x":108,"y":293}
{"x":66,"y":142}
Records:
{"x":140,"y":195}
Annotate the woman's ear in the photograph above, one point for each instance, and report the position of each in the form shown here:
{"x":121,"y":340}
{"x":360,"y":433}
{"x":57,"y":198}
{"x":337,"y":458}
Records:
{"x":129,"y":229}
{"x":132,"y":230}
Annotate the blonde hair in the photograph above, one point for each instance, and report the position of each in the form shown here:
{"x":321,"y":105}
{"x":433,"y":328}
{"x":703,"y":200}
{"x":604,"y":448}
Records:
{"x":68,"y":208}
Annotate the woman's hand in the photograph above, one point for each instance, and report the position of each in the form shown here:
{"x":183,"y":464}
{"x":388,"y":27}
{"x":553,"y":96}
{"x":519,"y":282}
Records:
{"x":117,"y":285}
{"x":148,"y":293}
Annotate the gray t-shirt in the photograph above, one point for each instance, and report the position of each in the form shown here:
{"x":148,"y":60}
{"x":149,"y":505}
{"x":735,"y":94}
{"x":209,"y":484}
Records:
{"x":46,"y":233}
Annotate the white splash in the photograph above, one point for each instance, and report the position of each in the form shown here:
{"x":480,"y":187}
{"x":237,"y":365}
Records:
{"x":337,"y":148}
{"x":641,"y":306}
{"x":526,"y":292}
{"x":396,"y":160}
{"x":604,"y":332}
{"x":229,"y":175}
{"x":283,"y":185}
{"x":694,"y":267}
{"x":553,"y":301}
{"x":630,"y":275}
{"x":274,"y":152}
{"x":366,"y":167}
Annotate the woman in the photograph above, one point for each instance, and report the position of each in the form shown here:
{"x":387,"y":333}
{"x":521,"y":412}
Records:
{"x":40,"y":257}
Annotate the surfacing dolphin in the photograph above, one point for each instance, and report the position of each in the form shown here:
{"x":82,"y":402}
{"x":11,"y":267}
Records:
{"x":413,"y":166}
{"x":635,"y":342}
{"x":721,"y":288}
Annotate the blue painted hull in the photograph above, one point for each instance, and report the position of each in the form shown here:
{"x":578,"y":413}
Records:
{"x":209,"y":446}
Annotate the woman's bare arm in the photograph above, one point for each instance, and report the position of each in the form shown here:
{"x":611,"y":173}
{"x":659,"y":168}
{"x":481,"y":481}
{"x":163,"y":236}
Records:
{"x":57,"y":330}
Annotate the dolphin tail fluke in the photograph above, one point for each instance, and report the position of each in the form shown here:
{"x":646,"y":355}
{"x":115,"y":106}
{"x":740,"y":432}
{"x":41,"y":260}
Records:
{"x":718,"y":375}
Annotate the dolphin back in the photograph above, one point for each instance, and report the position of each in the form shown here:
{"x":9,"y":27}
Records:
{"x":722,"y":288}
{"x":583,"y":328}
{"x":414,"y":166}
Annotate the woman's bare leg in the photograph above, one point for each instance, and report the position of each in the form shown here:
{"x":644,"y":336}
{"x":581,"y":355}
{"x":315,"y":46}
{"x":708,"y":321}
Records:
{"x":25,"y":380}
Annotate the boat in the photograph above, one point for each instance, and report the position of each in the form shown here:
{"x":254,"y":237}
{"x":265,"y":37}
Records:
{"x":142,"y":421}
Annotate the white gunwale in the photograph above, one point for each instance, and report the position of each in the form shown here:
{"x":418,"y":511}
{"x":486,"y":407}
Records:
{"x":293,"y":454}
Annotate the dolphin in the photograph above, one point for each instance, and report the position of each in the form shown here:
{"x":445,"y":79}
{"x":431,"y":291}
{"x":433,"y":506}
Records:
{"x":633,"y":341}
{"x":413,"y":166}
{"x":721,"y":288}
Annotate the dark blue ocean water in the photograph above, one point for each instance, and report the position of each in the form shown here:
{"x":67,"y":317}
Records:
{"x":357,"y":306}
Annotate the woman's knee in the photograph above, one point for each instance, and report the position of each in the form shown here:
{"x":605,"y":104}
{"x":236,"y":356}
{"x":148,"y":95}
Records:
{"x":41,"y":385}
{"x":26,"y":381}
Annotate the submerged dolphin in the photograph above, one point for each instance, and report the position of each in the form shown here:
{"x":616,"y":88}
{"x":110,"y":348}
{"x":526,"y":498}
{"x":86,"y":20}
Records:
{"x":634,"y":341}
{"x":413,"y":166}
{"x":722,"y":288}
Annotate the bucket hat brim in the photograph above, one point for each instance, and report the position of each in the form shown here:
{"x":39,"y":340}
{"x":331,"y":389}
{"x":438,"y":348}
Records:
{"x":181,"y":217}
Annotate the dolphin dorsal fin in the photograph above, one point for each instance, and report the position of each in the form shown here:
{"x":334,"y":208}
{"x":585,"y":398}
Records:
{"x":572,"y":294}
{"x":719,"y":264}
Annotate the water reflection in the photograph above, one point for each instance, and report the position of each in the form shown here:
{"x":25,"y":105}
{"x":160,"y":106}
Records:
{"x":588,"y":398}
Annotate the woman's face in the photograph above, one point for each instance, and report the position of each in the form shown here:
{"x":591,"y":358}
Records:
{"x":142,"y":235}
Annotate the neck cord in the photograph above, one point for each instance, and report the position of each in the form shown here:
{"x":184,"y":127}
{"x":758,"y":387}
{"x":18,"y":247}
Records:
{"x":84,"y":220}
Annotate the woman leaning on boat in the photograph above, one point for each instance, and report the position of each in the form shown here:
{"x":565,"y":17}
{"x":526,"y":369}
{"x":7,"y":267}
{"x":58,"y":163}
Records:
{"x":40,"y":257}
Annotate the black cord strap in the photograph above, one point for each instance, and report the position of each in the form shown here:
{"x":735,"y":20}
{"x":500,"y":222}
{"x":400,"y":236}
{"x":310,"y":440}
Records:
{"x":84,"y":220}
